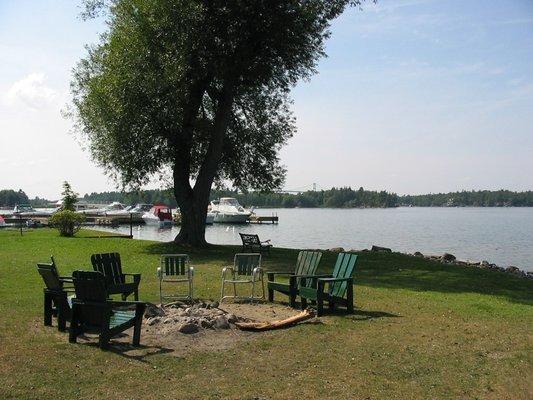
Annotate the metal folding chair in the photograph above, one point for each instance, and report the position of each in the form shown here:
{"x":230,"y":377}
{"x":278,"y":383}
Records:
{"x":246,"y":269}
{"x":175,"y":269}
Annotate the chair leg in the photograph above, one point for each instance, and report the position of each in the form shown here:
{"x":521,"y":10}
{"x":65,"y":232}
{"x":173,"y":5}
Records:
{"x":262,"y":288}
{"x":319,"y":304}
{"x":160,"y":292}
{"x":61,"y":321}
{"x":139,"y":311}
{"x":270,"y":295}
{"x":74,"y":328}
{"x":47,"y":309}
{"x":222,"y":291}
{"x":253,"y":291}
{"x":303,"y":303}
{"x":136,"y":295}
{"x":349,"y":300}
{"x":103,"y":340}
{"x":235,"y":290}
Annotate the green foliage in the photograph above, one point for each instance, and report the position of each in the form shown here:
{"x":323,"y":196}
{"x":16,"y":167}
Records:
{"x":67,"y":222}
{"x":69,"y":197}
{"x":481,"y":198}
{"x":10,"y":198}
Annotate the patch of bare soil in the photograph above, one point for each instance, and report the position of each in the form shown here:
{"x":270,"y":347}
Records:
{"x":181,"y":329}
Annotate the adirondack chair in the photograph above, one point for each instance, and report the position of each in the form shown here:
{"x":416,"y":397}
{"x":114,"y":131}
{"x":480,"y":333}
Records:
{"x":175,"y":268}
{"x":306,"y":264}
{"x":251,"y":242}
{"x":55,"y":295}
{"x":110,"y":266}
{"x":246,"y":269}
{"x":340,"y":283}
{"x":94,"y":312}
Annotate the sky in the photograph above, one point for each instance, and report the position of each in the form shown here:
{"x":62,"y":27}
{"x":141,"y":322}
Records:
{"x":415,"y":96}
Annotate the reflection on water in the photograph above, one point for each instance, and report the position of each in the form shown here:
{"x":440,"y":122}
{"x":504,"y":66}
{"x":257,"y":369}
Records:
{"x":500,"y":235}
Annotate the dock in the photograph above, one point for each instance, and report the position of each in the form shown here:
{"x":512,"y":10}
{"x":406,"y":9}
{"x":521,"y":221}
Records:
{"x":262,"y":219}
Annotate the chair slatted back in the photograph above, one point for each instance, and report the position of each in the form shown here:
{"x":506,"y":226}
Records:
{"x":250,"y":239}
{"x":307,"y":263}
{"x":344,"y":268}
{"x":174,"y":264}
{"x":244,"y":263}
{"x":90,"y":287}
{"x":50,"y":276}
{"x":110,"y":266}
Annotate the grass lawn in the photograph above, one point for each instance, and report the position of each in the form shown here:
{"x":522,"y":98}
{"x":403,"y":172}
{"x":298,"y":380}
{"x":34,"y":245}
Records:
{"x":421,"y":330}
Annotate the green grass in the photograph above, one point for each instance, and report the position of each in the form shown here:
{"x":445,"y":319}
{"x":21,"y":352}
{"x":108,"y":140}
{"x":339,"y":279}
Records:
{"x":421,"y":330}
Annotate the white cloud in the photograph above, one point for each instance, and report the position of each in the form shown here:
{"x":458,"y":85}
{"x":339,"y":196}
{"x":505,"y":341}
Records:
{"x":31,"y":91}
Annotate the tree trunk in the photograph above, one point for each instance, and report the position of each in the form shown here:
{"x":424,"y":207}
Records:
{"x":193,"y":201}
{"x":193,"y":213}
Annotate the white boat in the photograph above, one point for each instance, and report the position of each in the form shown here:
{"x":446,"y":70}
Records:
{"x":228,"y":210}
{"x":25,"y":210}
{"x":159,"y":215}
{"x":210,"y":218}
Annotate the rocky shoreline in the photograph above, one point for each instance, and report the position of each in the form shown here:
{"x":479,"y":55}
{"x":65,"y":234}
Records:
{"x":448,"y":258}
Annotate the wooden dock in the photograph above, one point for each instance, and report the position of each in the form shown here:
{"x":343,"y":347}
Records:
{"x":261,"y":219}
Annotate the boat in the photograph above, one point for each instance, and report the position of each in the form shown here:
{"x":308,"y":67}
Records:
{"x":27,"y":211}
{"x":228,"y":210}
{"x":210,"y":218}
{"x":159,"y":215}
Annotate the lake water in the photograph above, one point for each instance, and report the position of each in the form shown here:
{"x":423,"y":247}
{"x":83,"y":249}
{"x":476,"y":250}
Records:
{"x":500,"y":235}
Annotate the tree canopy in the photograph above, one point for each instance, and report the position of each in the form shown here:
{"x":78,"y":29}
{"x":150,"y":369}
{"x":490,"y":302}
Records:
{"x":197,"y":90}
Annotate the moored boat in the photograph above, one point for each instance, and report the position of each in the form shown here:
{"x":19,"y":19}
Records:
{"x":228,"y":210}
{"x":159,"y":215}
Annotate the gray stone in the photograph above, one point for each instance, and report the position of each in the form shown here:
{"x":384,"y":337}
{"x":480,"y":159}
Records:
{"x":213,"y":304}
{"x":188,"y":328}
{"x":153,"y":311}
{"x":232,"y":318}
{"x":379,"y":248}
{"x":221,"y":322}
{"x":447,"y":257}
{"x":336,"y":250}
{"x":418,"y":254}
{"x":153,"y":321}
{"x":205,"y":323}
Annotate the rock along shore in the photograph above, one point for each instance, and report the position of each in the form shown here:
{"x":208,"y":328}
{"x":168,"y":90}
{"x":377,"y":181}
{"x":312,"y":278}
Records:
{"x":448,"y":258}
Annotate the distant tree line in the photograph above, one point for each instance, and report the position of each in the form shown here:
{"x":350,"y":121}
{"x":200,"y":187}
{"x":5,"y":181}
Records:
{"x":9,"y":198}
{"x":344,"y":197}
{"x":481,"y":198}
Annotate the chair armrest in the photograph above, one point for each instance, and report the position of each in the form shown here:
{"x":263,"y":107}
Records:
{"x":119,"y":303}
{"x":330,"y":280}
{"x":66,"y":278}
{"x":136,"y":276}
{"x":226,"y":269}
{"x":305,"y":278}
{"x":313,"y":276}
{"x":257,"y":271}
{"x":191,"y":271}
{"x":271,"y":274}
{"x":266,"y":241}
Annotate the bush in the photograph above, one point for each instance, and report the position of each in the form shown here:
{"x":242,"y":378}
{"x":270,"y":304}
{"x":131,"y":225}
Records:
{"x":67,"y":222}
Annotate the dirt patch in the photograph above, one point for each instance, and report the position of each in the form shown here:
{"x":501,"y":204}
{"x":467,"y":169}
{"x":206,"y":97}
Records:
{"x":203,"y":327}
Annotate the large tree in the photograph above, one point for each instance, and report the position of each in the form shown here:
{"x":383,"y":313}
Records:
{"x":198,"y":89}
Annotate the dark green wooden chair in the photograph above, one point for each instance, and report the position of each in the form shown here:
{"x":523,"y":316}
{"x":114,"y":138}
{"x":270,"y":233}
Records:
{"x":94,"y":312}
{"x":332,"y":288}
{"x":55,"y":295}
{"x":110,"y":266}
{"x":306,"y":264}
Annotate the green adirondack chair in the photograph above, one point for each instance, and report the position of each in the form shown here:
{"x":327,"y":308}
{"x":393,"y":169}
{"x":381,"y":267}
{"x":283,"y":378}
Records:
{"x":339,"y":284}
{"x":94,"y":312}
{"x":306,"y":264}
{"x":55,"y":295}
{"x":110,"y":266}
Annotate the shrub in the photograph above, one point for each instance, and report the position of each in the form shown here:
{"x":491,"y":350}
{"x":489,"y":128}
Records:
{"x":67,"y":222}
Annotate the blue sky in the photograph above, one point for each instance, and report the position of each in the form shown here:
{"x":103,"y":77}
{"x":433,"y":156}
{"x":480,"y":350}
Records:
{"x":416,"y":96}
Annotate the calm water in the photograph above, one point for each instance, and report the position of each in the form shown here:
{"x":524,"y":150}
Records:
{"x":500,"y":235}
